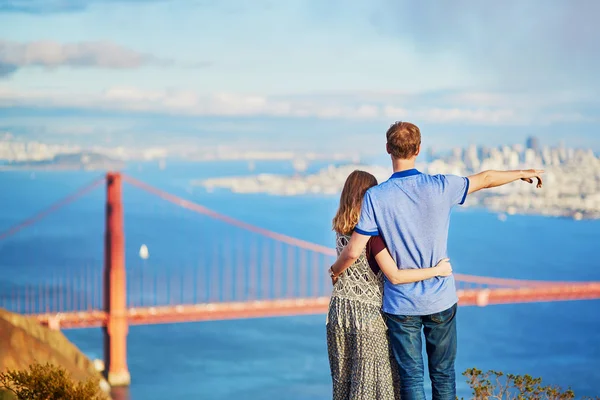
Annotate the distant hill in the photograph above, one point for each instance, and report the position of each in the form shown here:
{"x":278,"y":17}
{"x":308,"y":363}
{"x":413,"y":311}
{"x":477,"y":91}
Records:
{"x":23,"y":341}
{"x":72,"y":161}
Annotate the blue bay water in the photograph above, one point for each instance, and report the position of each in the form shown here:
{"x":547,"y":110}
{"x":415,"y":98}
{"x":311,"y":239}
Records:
{"x":286,"y":357}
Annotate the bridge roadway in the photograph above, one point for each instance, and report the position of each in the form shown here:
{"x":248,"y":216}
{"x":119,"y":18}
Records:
{"x":289,"y":307}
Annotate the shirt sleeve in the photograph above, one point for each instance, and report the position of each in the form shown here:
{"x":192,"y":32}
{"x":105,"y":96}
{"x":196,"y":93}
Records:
{"x":375,"y":245}
{"x":367,"y":224}
{"x":457,"y":188}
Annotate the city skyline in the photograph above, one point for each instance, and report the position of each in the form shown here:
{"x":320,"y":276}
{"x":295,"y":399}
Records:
{"x":15,"y":149}
{"x":531,"y":153}
{"x":299,"y":74}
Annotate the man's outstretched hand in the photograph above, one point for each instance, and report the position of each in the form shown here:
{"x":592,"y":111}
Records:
{"x":530,"y":174}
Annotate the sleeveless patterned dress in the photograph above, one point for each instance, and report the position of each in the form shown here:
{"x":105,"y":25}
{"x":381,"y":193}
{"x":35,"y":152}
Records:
{"x":360,"y":358}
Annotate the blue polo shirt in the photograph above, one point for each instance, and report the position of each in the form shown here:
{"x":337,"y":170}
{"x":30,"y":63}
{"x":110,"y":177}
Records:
{"x":411,"y":211}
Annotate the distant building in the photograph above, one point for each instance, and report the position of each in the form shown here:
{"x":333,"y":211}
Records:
{"x":457,"y":153}
{"x":533,"y":143}
{"x":483,"y":152}
{"x":430,"y":154}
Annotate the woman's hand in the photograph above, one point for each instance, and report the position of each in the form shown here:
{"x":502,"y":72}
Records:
{"x":334,"y":277}
{"x":443,"y":268}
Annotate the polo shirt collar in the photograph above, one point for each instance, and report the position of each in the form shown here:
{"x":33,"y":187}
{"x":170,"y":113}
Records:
{"x":405,"y":173}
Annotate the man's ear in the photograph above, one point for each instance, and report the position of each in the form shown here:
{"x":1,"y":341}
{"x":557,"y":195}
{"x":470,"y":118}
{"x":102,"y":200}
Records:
{"x":387,"y":148}
{"x":418,"y":151}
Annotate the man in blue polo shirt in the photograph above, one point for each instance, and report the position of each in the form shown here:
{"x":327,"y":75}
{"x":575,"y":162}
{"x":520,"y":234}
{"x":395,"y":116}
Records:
{"x":411,"y":211}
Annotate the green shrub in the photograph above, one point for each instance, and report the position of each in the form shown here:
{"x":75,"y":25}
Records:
{"x":6,"y":395}
{"x":47,"y":382}
{"x":498,"y":385}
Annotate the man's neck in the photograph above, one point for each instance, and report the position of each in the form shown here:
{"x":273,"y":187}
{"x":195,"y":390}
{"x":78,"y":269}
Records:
{"x":402,"y":165}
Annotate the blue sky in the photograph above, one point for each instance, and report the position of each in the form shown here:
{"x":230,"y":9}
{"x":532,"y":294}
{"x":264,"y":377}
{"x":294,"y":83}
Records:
{"x":299,"y":73}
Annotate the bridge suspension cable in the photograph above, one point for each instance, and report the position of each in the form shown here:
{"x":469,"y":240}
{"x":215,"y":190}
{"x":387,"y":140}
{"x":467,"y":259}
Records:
{"x":232,"y":221}
{"x":54,"y":207}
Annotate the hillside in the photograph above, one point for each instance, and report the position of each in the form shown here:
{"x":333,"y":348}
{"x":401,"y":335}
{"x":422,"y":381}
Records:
{"x":23,"y":340}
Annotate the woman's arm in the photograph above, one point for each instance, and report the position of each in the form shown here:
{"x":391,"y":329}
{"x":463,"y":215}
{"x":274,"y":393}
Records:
{"x":397,"y":276}
{"x":349,"y":254}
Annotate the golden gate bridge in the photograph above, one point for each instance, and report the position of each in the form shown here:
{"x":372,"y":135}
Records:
{"x":277,"y":275}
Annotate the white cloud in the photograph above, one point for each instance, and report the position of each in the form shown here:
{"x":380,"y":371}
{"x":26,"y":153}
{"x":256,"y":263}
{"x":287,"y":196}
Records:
{"x":539,"y":99}
{"x":132,"y":95}
{"x":50,"y":54}
{"x":394,"y":111}
{"x":367,"y":111}
{"x":477,"y":109}
{"x":483,"y":116}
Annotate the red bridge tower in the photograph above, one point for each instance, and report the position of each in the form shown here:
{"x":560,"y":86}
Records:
{"x":115,"y":289}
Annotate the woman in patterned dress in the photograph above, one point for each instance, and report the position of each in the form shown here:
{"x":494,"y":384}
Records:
{"x":361,"y":362}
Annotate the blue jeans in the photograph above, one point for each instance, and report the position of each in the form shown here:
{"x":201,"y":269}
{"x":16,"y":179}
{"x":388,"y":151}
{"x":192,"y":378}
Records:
{"x":440,"y":342}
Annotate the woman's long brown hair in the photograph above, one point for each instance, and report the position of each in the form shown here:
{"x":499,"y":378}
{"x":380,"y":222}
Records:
{"x":357,"y":184}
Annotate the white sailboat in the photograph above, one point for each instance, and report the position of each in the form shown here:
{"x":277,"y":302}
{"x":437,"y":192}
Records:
{"x":144,"y":254}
